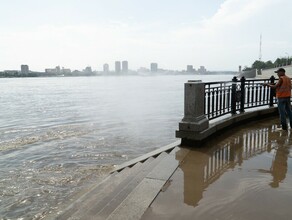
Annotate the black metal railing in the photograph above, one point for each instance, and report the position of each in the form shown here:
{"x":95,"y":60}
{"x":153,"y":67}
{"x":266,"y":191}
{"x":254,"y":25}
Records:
{"x":234,"y":96}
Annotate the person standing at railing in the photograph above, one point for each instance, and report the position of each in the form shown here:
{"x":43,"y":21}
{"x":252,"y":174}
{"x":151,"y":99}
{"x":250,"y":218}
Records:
{"x":283,"y":94}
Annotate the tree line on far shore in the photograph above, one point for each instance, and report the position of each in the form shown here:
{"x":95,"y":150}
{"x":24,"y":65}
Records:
{"x":269,"y":64}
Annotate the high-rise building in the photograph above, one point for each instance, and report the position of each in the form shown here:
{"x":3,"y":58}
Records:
{"x":88,"y":69}
{"x":154,"y":67}
{"x":125,"y":66}
{"x":190,"y":68}
{"x":117,"y":66}
{"x":58,"y":69}
{"x":24,"y":69}
{"x":65,"y":71}
{"x":105,"y":68}
{"x":202,"y":70}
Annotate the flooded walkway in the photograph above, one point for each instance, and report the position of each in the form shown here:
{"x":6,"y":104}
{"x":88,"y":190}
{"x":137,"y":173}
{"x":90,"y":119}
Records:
{"x":245,"y":173}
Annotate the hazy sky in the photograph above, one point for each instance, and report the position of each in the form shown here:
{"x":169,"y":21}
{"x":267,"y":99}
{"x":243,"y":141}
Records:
{"x":75,"y":33}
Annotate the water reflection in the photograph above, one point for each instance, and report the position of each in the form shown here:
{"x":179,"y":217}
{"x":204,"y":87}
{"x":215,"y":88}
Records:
{"x":204,"y":166}
{"x":279,"y":166}
{"x":281,"y":144}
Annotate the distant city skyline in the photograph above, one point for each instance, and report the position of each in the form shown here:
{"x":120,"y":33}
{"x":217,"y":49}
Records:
{"x":118,"y":67}
{"x":218,"y":34}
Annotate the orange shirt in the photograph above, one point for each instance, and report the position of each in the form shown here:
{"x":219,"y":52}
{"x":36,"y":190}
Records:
{"x":284,"y":90}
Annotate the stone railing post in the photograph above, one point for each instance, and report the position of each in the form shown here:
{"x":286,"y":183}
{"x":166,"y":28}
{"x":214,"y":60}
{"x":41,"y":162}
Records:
{"x":233,"y":95}
{"x":272,"y":92}
{"x":242,"y":92}
{"x":194,"y":120}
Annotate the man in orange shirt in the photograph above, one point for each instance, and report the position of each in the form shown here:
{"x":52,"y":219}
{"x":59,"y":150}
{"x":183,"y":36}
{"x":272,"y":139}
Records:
{"x":283,"y":94}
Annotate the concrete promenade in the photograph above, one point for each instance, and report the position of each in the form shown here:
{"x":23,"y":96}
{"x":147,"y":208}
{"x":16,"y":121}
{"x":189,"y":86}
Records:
{"x":134,"y":189}
{"x":177,"y":181}
{"x":204,"y":182}
{"x":245,"y":173}
{"x":267,"y":73}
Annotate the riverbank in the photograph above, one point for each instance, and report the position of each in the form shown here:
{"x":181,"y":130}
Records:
{"x":17,"y":74}
{"x":131,"y":189}
{"x":184,"y":182}
{"x":267,"y":73}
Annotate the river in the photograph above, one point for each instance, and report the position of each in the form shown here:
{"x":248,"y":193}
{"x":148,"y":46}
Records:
{"x":59,"y":135}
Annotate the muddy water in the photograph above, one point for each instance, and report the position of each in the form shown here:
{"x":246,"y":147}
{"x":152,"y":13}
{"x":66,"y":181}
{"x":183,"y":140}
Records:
{"x":59,"y":135}
{"x":243,"y":174}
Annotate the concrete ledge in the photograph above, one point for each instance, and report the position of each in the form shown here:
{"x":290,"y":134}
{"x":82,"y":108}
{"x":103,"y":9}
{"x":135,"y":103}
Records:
{"x":134,"y":206}
{"x":164,"y":169}
{"x":140,"y":198}
{"x":191,"y":138}
{"x":144,"y":157}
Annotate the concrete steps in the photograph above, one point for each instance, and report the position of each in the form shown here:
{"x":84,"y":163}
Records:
{"x":128,"y":193}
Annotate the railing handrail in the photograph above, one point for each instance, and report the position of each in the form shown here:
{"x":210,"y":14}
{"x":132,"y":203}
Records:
{"x":230,"y":81}
{"x":209,"y":100}
{"x":237,"y":95}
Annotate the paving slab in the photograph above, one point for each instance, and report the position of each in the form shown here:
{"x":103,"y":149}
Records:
{"x":134,"y":206}
{"x":100,"y":191}
{"x":114,"y":199}
{"x":118,"y":197}
{"x":147,"y":155}
{"x":166,"y":167}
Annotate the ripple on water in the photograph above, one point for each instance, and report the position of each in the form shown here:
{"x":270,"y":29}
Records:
{"x":40,"y":191}
{"x":24,"y":138}
{"x":221,"y":201}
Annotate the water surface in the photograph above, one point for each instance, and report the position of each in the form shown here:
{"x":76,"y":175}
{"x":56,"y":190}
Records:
{"x":59,"y":135}
{"x":245,"y":173}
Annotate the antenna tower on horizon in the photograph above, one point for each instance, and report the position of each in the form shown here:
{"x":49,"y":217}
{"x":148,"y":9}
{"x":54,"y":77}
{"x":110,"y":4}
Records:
{"x":260,"y":55}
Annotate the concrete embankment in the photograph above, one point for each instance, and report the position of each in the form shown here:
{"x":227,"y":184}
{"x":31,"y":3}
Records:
{"x":241,"y":174}
{"x":128,"y":192}
{"x":194,"y":138}
{"x":267,"y":73}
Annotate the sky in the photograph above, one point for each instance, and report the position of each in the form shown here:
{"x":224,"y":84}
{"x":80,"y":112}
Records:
{"x":218,"y":34}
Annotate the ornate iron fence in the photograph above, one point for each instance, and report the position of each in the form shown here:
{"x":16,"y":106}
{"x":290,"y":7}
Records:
{"x":234,"y":96}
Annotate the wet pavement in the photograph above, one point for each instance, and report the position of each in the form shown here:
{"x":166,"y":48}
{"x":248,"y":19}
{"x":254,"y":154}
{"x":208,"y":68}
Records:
{"x":245,"y":173}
